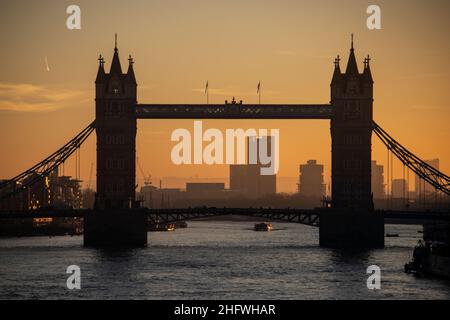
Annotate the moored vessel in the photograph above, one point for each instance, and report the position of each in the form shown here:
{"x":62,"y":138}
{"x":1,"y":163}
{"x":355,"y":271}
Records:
{"x":162,"y":227}
{"x":263,"y":226}
{"x":432,"y":255}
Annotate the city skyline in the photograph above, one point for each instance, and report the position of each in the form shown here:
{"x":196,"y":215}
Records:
{"x":224,"y":155}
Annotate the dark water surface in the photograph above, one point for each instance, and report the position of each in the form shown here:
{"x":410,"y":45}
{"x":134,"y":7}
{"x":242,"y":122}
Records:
{"x":214,"y":260}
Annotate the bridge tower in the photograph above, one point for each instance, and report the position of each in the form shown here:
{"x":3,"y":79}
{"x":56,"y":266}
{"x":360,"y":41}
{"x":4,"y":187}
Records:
{"x":352,"y":220}
{"x":114,"y":222}
{"x":115,"y":100}
{"x":351,"y":133}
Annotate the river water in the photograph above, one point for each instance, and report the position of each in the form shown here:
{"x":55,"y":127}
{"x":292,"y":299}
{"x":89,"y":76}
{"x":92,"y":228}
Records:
{"x":214,"y":260}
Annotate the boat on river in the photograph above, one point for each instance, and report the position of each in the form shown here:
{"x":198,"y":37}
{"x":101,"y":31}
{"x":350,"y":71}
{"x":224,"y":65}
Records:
{"x":263,"y":226}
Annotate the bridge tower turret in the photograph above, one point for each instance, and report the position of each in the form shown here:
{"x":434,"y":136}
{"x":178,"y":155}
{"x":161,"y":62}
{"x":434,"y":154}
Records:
{"x":351,"y":132}
{"x":115,"y":100}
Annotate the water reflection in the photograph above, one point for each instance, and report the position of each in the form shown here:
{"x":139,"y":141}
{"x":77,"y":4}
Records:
{"x":214,"y":260}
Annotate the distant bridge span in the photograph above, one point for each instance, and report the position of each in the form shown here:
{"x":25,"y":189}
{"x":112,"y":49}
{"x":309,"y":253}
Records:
{"x":310,"y":217}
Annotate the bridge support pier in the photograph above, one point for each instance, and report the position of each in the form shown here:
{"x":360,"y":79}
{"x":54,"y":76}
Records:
{"x":341,"y":229}
{"x":120,"y":228}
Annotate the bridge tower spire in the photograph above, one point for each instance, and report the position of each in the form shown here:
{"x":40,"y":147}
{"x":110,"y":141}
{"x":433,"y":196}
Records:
{"x":116,"y":68}
{"x":352,"y":65}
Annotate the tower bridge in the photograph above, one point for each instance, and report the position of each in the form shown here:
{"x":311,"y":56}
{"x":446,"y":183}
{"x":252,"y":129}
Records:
{"x":117,"y":218}
{"x":350,"y":111}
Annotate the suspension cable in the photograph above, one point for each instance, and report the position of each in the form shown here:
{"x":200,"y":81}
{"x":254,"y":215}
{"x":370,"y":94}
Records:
{"x":426,"y":172}
{"x":29,"y":177}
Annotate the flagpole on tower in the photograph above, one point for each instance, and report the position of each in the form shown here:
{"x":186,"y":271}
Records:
{"x":207,"y":92}
{"x":258,"y":90}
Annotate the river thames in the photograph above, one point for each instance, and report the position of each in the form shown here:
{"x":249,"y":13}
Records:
{"x":215,"y":260}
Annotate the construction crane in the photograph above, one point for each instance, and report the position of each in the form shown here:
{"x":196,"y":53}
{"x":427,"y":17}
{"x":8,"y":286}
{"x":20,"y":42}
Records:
{"x":147,"y":180}
{"x":90,"y":176}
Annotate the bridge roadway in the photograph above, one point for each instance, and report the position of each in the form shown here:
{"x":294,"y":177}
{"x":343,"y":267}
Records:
{"x":233,"y":111}
{"x":309,"y":217}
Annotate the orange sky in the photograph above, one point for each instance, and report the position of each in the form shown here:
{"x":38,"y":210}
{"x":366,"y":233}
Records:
{"x":178,"y":45}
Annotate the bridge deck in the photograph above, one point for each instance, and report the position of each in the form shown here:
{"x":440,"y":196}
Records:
{"x":304,"y":216}
{"x":234,"y":111}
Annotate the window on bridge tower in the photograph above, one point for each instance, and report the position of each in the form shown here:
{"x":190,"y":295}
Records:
{"x":352,"y":164}
{"x":352,"y":111}
{"x":348,"y":187}
{"x":115,"y":139}
{"x":115,"y":164}
{"x":357,"y":191}
{"x":115,"y":109}
{"x":352,"y":139}
{"x":115,"y":187}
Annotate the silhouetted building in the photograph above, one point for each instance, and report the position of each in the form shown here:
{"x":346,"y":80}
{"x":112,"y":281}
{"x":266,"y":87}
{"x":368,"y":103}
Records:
{"x":14,"y":202}
{"x":65,"y":192}
{"x":399,"y":189}
{"x":205,"y":190}
{"x":88,"y":198}
{"x":378,"y":181}
{"x":50,"y":191}
{"x":169,"y":197}
{"x":38,"y":195}
{"x":149,"y":196}
{"x":311,"y":182}
{"x":154,"y":198}
{"x":247,"y":180}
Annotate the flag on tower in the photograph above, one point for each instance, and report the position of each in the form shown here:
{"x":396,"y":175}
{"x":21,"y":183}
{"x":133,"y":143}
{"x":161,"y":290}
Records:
{"x":258,"y":91}
{"x":207,"y":92}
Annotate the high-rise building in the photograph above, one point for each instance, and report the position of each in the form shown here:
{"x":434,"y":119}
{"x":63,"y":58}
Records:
{"x":311,"y":182}
{"x":247,"y":180}
{"x":399,"y":189}
{"x":424,"y":190}
{"x":378,"y":181}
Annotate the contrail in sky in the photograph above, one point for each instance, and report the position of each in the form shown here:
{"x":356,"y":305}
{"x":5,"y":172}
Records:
{"x":46,"y":64}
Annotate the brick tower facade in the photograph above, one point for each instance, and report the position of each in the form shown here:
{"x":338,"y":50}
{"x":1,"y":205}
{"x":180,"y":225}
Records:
{"x":116,"y":95}
{"x":351,"y":133}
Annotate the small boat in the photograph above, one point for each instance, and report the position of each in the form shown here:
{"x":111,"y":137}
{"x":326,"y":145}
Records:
{"x":162,"y":227}
{"x":263,"y":226}
{"x":181,"y":224}
{"x":392,"y":235}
